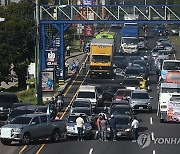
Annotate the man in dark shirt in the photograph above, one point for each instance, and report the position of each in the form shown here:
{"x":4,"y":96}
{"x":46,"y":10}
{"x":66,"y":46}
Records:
{"x":112,"y":125}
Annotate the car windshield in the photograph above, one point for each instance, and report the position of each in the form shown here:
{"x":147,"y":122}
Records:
{"x":140,"y":96}
{"x":21,"y":120}
{"x":141,"y":63}
{"x":16,"y":113}
{"x":119,"y":59}
{"x":80,"y":104}
{"x":83,"y":94}
{"x":87,"y":112}
{"x":132,"y":71}
{"x":122,"y":121}
{"x":163,"y":52}
{"x":131,"y":82}
{"x":170,"y":65}
{"x":133,"y":41}
{"x":123,"y":93}
{"x":119,"y":111}
{"x":170,"y":90}
{"x":72,"y":119}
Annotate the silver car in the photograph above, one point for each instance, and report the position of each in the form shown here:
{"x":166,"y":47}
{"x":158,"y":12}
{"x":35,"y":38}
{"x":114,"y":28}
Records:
{"x":140,"y":100}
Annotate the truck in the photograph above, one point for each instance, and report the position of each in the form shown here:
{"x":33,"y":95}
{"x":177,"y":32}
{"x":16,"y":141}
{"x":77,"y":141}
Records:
{"x":166,"y":91}
{"x":28,"y":127}
{"x":130,"y":31}
{"x":129,"y":44}
{"x":101,"y":56}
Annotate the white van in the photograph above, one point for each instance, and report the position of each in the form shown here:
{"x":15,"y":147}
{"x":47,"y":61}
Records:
{"x":88,"y":92}
{"x":169,"y":66}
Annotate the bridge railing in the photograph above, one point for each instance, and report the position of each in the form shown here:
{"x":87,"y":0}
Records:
{"x":109,"y":12}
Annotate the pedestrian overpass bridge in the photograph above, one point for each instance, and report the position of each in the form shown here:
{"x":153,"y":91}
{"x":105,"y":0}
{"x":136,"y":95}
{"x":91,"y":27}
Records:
{"x":60,"y":17}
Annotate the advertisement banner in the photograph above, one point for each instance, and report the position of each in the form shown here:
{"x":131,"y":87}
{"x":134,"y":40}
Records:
{"x":87,"y":2}
{"x":88,"y":30}
{"x":51,"y":57}
{"x":48,"y":81}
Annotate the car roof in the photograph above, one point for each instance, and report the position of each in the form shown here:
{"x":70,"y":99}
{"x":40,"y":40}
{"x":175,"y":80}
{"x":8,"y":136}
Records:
{"x":123,"y":90}
{"x":33,"y":115}
{"x":120,"y":106}
{"x":81,"y":108}
{"x":30,"y":107}
{"x":84,"y":100}
{"x":140,"y":91}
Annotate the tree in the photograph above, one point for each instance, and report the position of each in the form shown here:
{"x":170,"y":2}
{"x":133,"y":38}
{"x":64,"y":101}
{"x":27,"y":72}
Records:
{"x":17,"y":35}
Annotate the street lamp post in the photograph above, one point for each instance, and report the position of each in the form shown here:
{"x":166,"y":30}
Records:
{"x":38,"y":57}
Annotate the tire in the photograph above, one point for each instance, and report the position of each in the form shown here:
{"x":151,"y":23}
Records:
{"x":6,"y":141}
{"x":161,"y":120}
{"x":26,"y":139}
{"x":56,"y":135}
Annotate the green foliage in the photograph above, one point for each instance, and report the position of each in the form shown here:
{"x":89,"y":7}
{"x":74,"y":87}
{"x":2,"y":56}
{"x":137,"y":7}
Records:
{"x":17,"y":35}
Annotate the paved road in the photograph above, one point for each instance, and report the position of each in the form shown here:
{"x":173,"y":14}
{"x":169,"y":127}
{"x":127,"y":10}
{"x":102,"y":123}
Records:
{"x":149,"y":123}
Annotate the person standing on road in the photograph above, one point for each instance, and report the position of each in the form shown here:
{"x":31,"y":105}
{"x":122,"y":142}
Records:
{"x":77,"y":65}
{"x":103,"y":128}
{"x":99,"y":127}
{"x":112,"y":124}
{"x":84,"y":67}
{"x":80,"y":123}
{"x":134,"y":127}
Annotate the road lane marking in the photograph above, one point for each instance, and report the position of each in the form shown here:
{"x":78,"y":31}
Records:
{"x":69,"y":105}
{"x":73,"y":97}
{"x":90,"y":151}
{"x":74,"y":79}
{"x":152,"y":136}
{"x":154,"y":152}
{"x":151,"y":120}
{"x":24,"y":147}
{"x":42,"y":146}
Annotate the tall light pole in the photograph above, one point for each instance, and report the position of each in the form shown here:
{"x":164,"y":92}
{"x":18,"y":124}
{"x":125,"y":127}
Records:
{"x":38,"y":57}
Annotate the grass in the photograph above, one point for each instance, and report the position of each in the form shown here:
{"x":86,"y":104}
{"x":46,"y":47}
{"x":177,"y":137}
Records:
{"x":175,"y":39}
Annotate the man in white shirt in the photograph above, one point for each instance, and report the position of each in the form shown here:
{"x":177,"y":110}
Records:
{"x":135,"y":126}
{"x":80,"y":123}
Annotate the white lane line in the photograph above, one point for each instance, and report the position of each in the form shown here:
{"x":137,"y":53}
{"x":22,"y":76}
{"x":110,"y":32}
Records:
{"x":154,"y":152}
{"x":151,"y":120}
{"x":90,"y":151}
{"x":152,"y":136}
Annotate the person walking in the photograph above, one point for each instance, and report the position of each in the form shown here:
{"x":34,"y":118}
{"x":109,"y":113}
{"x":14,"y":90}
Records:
{"x":80,"y":123}
{"x":134,"y":127}
{"x":112,"y":125}
{"x":99,"y":127}
{"x":104,"y":128}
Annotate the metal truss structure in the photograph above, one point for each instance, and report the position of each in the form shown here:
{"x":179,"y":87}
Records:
{"x":61,"y":17}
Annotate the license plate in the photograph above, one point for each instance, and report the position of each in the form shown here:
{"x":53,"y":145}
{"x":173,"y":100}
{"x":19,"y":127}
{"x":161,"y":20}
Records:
{"x":140,"y":108}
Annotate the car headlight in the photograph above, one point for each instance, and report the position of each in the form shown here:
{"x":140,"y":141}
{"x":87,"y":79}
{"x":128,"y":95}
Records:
{"x":68,"y":127}
{"x":128,"y":130}
{"x":17,"y":129}
{"x":89,"y":128}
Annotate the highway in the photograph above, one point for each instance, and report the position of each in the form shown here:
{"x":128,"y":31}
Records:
{"x":149,"y":123}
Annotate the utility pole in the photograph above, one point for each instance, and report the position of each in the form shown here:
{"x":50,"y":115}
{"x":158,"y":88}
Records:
{"x":38,"y":57}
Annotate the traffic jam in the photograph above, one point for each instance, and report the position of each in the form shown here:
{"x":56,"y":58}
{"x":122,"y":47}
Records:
{"x":112,"y":94}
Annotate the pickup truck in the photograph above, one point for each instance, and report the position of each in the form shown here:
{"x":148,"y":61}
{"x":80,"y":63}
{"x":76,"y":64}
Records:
{"x":26,"y":128}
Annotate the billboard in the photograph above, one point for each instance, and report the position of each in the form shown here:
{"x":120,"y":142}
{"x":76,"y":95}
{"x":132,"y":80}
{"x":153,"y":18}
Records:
{"x":87,"y":2}
{"x":51,"y":57}
{"x":88,"y":30}
{"x":48,"y":81}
